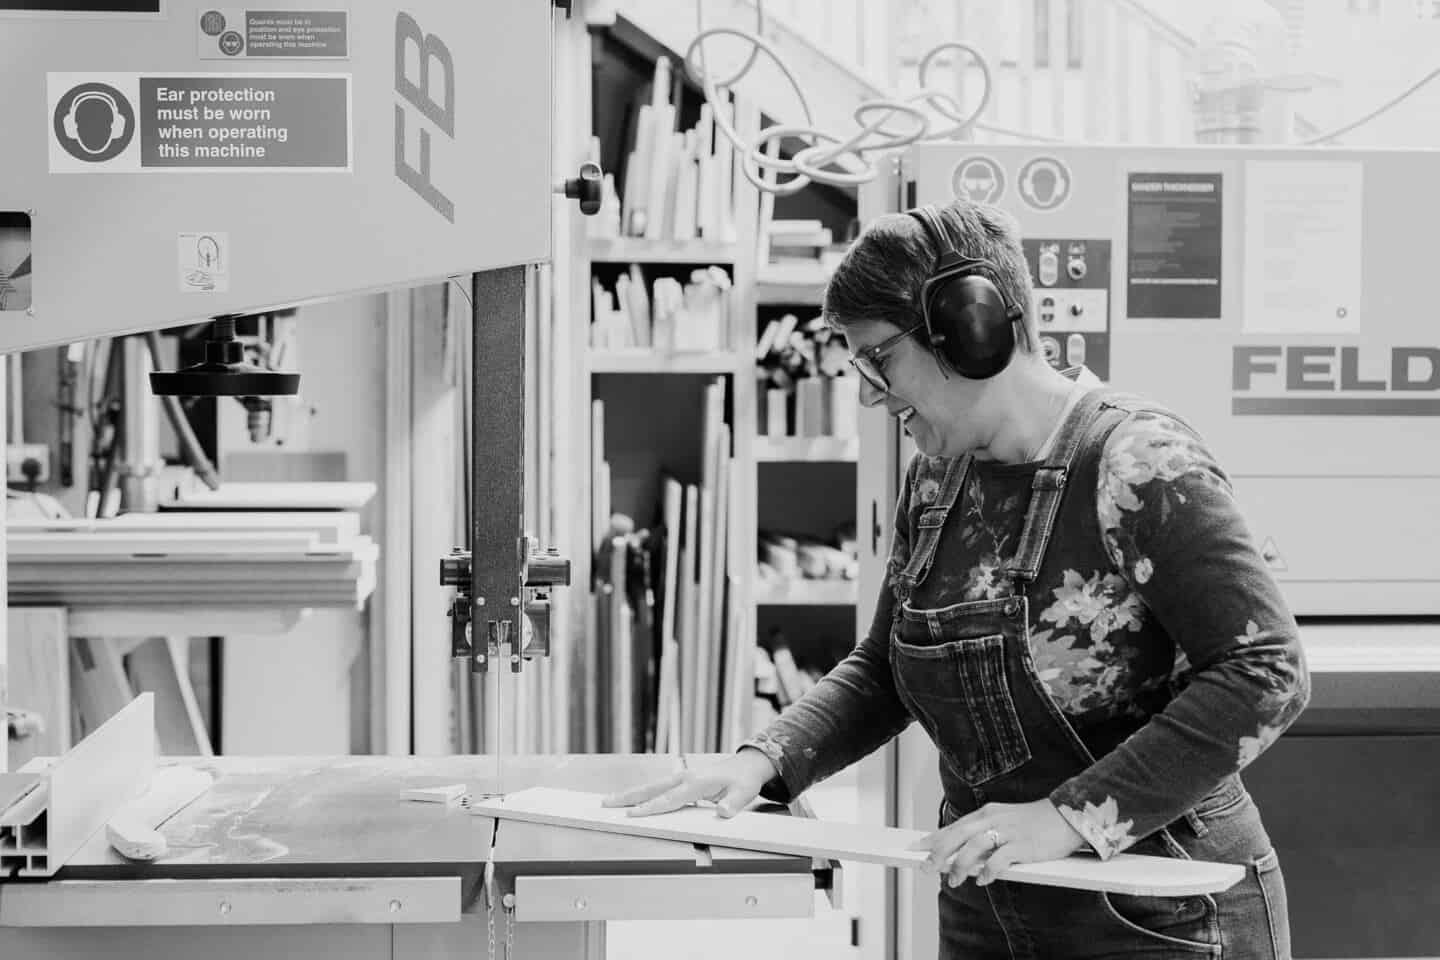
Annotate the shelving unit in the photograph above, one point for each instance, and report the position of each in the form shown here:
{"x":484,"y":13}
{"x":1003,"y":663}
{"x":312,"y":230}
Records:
{"x":637,"y":250}
{"x":771,"y":293}
{"x":807,"y":449}
{"x":650,"y":428}
{"x":653,"y":361}
{"x":815,"y":593}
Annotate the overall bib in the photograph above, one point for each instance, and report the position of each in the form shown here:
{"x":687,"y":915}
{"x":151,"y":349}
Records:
{"x":966,"y":674}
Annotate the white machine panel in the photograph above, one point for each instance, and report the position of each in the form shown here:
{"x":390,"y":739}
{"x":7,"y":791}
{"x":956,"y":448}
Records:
{"x":1282,"y":301}
{"x":186,"y":160}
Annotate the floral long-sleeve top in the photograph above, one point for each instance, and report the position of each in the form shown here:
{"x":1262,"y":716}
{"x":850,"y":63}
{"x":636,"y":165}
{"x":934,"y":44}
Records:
{"x":1153,"y":615}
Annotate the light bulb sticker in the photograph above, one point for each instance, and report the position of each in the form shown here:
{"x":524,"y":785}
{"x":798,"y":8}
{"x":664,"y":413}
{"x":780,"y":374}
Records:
{"x":203,"y":260}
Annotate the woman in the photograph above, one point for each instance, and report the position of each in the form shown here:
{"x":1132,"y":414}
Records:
{"x":1074,"y":611}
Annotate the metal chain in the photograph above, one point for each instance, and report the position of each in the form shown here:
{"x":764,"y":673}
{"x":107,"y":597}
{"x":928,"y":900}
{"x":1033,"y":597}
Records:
{"x":489,"y":882}
{"x":490,"y":929}
{"x":509,"y":926}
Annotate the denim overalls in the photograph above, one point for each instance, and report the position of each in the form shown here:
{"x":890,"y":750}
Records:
{"x":965,"y":672}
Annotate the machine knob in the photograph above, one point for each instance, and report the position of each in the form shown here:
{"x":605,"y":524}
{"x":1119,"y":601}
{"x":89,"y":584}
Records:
{"x":547,"y":570}
{"x":588,"y":188}
{"x":455,"y":569}
{"x":1076,"y":309}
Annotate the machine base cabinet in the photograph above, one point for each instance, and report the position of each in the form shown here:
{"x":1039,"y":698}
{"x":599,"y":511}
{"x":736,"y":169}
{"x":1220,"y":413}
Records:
{"x":1355,"y":821}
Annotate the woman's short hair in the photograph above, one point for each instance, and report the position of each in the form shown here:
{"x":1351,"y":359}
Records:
{"x":881,"y":275}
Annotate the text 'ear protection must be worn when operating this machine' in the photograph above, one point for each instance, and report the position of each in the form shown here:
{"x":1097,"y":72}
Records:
{"x":970,"y":327}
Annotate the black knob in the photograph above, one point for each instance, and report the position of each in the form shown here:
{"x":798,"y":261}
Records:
{"x":588,"y":188}
{"x":455,"y":570}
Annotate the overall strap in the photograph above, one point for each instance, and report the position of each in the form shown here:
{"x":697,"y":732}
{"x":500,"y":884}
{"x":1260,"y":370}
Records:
{"x":1048,"y":486}
{"x":927,"y":529}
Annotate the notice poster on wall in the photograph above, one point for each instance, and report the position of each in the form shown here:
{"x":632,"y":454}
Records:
{"x":1173,"y":259}
{"x":1302,"y":247}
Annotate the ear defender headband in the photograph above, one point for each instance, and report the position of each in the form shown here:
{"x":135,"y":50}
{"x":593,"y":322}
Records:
{"x":969,"y":325}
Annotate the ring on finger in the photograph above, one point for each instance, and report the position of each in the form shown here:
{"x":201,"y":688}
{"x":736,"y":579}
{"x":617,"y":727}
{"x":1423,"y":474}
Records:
{"x":993,"y":836}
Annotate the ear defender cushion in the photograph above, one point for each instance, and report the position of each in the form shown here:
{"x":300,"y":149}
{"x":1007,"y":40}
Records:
{"x":970,"y":327}
{"x":969,"y":315}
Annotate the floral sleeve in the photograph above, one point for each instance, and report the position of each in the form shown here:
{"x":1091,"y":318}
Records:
{"x":854,"y":709}
{"x":1171,"y":527}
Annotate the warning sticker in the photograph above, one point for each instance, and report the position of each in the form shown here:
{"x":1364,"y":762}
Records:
{"x":138,"y":123}
{"x":204,"y":262}
{"x":978,"y":179}
{"x":1270,"y":553}
{"x":227,"y":33}
{"x":1045,"y":183}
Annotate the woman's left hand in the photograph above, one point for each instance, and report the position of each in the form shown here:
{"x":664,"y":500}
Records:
{"x":984,"y":843}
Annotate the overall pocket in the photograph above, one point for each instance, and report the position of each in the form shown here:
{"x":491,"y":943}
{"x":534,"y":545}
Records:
{"x":960,"y":693}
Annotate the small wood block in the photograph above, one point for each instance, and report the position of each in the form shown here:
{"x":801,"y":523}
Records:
{"x":446,"y":794}
{"x":133,"y":831}
{"x":1124,"y":873}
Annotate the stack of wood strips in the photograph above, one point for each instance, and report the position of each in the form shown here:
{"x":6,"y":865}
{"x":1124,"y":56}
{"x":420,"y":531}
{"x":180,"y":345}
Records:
{"x":190,"y":559}
{"x":668,"y":656}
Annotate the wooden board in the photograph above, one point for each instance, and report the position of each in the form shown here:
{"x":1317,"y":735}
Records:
{"x":329,"y":527}
{"x":277,"y":496}
{"x":1124,"y":873}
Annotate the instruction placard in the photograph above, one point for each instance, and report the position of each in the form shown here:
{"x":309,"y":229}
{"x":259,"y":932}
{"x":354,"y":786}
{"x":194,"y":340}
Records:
{"x":1173,"y":259}
{"x":230,"y":33}
{"x":1303,"y":247}
{"x":258,"y":122}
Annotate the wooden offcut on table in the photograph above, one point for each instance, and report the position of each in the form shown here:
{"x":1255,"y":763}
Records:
{"x":889,"y":846}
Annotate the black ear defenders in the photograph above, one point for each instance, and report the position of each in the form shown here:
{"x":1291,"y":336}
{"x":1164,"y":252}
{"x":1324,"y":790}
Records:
{"x":970,"y":326}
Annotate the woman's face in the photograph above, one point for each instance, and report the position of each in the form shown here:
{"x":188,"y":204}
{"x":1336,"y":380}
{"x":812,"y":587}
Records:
{"x":942,"y":411}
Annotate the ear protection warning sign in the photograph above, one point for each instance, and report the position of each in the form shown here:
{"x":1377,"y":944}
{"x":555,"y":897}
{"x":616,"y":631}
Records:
{"x":135,"y":123}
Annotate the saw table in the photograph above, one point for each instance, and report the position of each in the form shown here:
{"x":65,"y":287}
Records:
{"x":310,"y":857}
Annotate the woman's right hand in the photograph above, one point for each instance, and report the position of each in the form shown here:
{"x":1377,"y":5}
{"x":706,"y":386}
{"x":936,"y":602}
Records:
{"x":731,"y":784}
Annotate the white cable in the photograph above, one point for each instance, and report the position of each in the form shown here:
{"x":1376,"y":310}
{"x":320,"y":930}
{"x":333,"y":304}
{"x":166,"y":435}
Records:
{"x":872,"y":116}
{"x":1393,"y":101}
{"x":825,"y":148}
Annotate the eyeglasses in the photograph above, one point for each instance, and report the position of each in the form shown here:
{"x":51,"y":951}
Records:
{"x":868,"y":362}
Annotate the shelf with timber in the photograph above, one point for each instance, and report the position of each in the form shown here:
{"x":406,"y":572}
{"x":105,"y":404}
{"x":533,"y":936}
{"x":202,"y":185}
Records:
{"x":772,"y":293}
{"x":642,"y":360}
{"x":807,"y":449}
{"x":639,"y":250}
{"x":818,"y":593}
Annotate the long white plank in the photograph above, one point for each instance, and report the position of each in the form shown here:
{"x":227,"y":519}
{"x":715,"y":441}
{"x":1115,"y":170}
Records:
{"x":330,"y":527}
{"x":1124,"y":873}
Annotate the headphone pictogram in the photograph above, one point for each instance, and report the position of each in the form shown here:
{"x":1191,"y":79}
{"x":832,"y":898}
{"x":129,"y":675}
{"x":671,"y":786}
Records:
{"x":117,"y":120}
{"x":94,"y":122}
